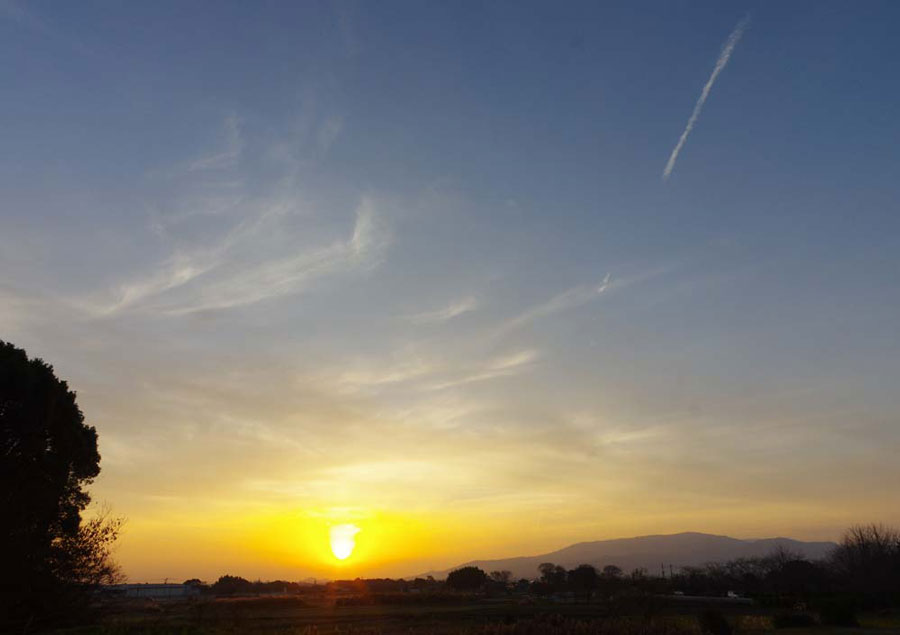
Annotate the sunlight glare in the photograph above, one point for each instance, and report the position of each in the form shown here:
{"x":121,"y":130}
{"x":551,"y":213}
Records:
{"x":342,"y":540}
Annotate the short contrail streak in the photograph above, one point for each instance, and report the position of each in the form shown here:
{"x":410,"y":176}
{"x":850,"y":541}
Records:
{"x":724,"y":56}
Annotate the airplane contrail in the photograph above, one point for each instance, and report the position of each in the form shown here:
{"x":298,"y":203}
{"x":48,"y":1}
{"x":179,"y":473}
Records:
{"x":724,"y":56}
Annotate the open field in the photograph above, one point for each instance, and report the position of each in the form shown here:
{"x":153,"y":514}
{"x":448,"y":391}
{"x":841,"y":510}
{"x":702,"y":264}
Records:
{"x":509,"y":617}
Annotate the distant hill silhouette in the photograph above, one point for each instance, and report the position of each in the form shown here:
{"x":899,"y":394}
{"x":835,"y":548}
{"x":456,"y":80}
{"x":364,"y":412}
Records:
{"x":678,"y":550}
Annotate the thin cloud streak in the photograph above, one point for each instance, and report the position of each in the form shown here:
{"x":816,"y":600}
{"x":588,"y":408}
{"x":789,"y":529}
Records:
{"x":418,"y":374}
{"x":564,"y":301}
{"x":182,"y":268}
{"x":449,"y":312}
{"x":217,"y":278}
{"x":724,"y":56}
{"x":505,"y":366}
{"x":285,"y":276}
{"x":227,"y":158}
{"x":363,"y":377}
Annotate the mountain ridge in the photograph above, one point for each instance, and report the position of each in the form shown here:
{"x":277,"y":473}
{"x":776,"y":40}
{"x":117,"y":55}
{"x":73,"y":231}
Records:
{"x":689,"y":548}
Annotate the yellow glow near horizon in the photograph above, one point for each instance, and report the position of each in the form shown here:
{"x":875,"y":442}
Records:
{"x":343,"y":540}
{"x":292,"y":544}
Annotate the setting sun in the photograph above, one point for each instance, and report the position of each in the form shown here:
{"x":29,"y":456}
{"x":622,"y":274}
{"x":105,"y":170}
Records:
{"x":342,"y":540}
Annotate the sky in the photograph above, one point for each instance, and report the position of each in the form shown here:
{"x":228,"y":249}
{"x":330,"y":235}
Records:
{"x":480,"y":279}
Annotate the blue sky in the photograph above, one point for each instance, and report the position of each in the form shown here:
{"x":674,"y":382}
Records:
{"x":281,"y":239}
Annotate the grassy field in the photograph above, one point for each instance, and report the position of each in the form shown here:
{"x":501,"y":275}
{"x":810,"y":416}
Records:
{"x":302,"y":617}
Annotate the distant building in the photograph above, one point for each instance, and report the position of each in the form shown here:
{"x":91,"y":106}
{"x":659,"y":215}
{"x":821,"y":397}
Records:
{"x":153,"y":590}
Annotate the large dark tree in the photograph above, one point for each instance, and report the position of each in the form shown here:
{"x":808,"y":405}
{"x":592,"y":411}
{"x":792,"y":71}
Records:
{"x":47,"y":457}
{"x":467,"y":579}
{"x":232,"y":585}
{"x":867,"y":561}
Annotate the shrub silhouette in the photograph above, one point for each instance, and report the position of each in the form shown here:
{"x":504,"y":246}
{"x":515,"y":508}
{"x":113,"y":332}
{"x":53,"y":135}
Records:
{"x":466,"y":579}
{"x":232,"y":585}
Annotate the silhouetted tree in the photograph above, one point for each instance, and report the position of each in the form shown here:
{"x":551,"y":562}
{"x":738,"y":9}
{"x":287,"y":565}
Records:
{"x":85,"y":559}
{"x":780,"y":556}
{"x":798,"y":578}
{"x":232,"y":585}
{"x":610,"y":580}
{"x":583,"y":579}
{"x":611,"y":572}
{"x":498,"y":581}
{"x":867,"y":560}
{"x":501,"y":577}
{"x":48,"y":455}
{"x":466,"y":579}
{"x":552,"y":575}
{"x":426,"y":584}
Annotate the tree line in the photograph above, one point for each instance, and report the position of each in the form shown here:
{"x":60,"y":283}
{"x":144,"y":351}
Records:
{"x":862,"y":572}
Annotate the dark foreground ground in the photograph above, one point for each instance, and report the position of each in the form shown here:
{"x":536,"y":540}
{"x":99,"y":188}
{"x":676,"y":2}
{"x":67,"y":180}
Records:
{"x":279,"y":615}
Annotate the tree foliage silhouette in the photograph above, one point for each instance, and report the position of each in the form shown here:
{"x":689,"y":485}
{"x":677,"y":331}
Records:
{"x":231,"y":585}
{"x":467,"y":579}
{"x":553,"y":575}
{"x":501,"y":577}
{"x":48,"y":455}
{"x":583,"y":578}
{"x":612,"y":572}
{"x":868,"y":559}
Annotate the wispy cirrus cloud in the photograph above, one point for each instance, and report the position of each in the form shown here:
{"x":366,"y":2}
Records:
{"x":452,"y":310}
{"x":569,"y":299}
{"x":240,"y":270}
{"x":359,"y":376}
{"x":724,"y":56}
{"x":413,"y":373}
{"x":503,"y":366}
{"x":237,"y":234}
{"x":229,"y":155}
